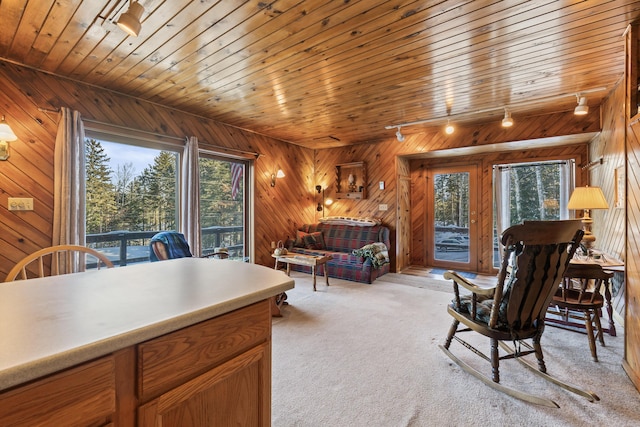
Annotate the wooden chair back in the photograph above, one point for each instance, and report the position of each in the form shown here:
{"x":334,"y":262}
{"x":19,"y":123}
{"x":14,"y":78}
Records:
{"x":56,"y":260}
{"x":577,"y":288}
{"x":536,"y":255}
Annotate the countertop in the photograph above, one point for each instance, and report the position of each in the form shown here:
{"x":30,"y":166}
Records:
{"x":53,"y":323}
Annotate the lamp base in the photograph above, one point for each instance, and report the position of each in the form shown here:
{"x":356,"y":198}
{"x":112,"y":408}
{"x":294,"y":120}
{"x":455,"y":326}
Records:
{"x":588,"y":238}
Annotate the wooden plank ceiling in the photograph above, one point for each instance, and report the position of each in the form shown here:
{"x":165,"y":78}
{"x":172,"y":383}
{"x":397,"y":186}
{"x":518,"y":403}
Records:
{"x":329,"y":73}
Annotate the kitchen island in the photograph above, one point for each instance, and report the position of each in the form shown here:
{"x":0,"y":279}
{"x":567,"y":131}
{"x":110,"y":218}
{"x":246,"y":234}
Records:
{"x":178,"y":342}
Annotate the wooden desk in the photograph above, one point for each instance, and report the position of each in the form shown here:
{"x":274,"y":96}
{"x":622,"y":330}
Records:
{"x":136,"y":345}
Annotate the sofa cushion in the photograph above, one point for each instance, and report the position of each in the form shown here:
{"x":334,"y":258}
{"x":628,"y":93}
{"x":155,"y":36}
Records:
{"x":313,"y":241}
{"x":299,"y":240}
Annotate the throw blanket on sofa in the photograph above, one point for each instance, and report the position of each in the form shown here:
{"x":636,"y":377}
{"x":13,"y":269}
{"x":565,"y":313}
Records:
{"x":377,"y":253}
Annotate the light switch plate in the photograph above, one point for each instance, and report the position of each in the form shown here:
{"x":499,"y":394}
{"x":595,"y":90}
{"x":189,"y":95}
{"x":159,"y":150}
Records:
{"x":383,"y":207}
{"x":20,"y":204}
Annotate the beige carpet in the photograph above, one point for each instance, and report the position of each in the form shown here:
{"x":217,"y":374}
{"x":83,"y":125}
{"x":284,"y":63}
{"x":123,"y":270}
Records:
{"x":367,"y":355}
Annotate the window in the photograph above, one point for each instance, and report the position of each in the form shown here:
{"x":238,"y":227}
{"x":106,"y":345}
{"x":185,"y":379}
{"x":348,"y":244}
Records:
{"x":223,"y":205}
{"x":132,"y":193}
{"x":530,"y":191}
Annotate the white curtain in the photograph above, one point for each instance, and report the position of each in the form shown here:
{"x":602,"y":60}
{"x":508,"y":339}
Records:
{"x":501,"y":187}
{"x":567,"y":185}
{"x":69,"y":183}
{"x":190,"y":195}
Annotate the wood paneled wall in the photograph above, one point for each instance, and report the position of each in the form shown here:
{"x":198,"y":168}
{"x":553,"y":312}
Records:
{"x":607,"y":154}
{"x":29,"y":170}
{"x":628,"y":104}
{"x":632,"y":262}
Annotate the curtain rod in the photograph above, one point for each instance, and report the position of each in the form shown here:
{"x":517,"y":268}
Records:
{"x":524,"y":165}
{"x":157,"y":135}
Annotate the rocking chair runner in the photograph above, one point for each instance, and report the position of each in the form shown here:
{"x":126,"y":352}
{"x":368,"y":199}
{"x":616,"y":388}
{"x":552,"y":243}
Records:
{"x":536,"y":255}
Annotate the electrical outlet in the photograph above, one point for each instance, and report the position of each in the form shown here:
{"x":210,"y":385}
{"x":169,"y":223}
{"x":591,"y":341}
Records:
{"x":20,"y":204}
{"x":383,"y":207}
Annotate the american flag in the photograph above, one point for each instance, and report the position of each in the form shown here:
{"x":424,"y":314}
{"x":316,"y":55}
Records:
{"x":236,"y":178}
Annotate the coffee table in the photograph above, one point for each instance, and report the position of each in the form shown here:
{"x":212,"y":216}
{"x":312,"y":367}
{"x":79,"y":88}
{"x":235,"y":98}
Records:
{"x":308,"y":260}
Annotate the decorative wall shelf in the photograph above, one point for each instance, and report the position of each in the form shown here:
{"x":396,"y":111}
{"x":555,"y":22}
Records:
{"x":351,"y":180}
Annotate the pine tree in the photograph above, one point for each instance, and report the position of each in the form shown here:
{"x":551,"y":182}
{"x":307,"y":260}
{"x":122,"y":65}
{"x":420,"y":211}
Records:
{"x":100,"y":193}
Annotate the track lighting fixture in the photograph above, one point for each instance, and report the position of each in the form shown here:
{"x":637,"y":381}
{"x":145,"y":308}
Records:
{"x":129,"y":21}
{"x":449,"y":129}
{"x":507,"y":122}
{"x":582,"y":107}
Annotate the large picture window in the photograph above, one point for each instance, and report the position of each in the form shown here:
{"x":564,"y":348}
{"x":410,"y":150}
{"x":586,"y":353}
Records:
{"x":131,"y":194}
{"x":530,"y":191}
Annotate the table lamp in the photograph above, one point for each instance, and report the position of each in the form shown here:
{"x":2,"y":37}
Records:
{"x":587,"y":198}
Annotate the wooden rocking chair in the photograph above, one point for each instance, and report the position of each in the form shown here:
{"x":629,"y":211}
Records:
{"x":536,"y":255}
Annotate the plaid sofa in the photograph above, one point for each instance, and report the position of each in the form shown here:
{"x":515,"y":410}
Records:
{"x":339,"y":242}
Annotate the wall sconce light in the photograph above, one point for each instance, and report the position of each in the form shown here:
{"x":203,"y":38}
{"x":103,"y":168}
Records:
{"x":507,"y":122}
{"x":6,"y":135}
{"x":278,"y":175}
{"x":129,"y":21}
{"x":449,"y":129}
{"x":582,"y":107}
{"x":325,"y":202}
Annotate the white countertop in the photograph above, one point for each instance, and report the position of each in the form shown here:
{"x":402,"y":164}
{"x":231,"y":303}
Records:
{"x":53,"y":323}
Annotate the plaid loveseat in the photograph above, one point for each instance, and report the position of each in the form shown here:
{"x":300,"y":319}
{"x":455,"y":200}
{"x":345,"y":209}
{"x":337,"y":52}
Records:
{"x":340,"y":241}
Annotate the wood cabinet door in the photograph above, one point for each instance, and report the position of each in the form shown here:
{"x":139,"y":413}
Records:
{"x":235,"y":393}
{"x":81,"y":396}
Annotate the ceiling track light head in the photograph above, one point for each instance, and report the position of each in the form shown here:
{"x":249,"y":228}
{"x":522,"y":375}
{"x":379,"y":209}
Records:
{"x":507,"y":122}
{"x":449,"y":129}
{"x":582,"y":108}
{"x":399,"y":135}
{"x":129,"y":21}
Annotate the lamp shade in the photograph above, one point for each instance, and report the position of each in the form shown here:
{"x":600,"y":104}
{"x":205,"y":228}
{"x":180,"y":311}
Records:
{"x":587,"y":198}
{"x":6,"y":134}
